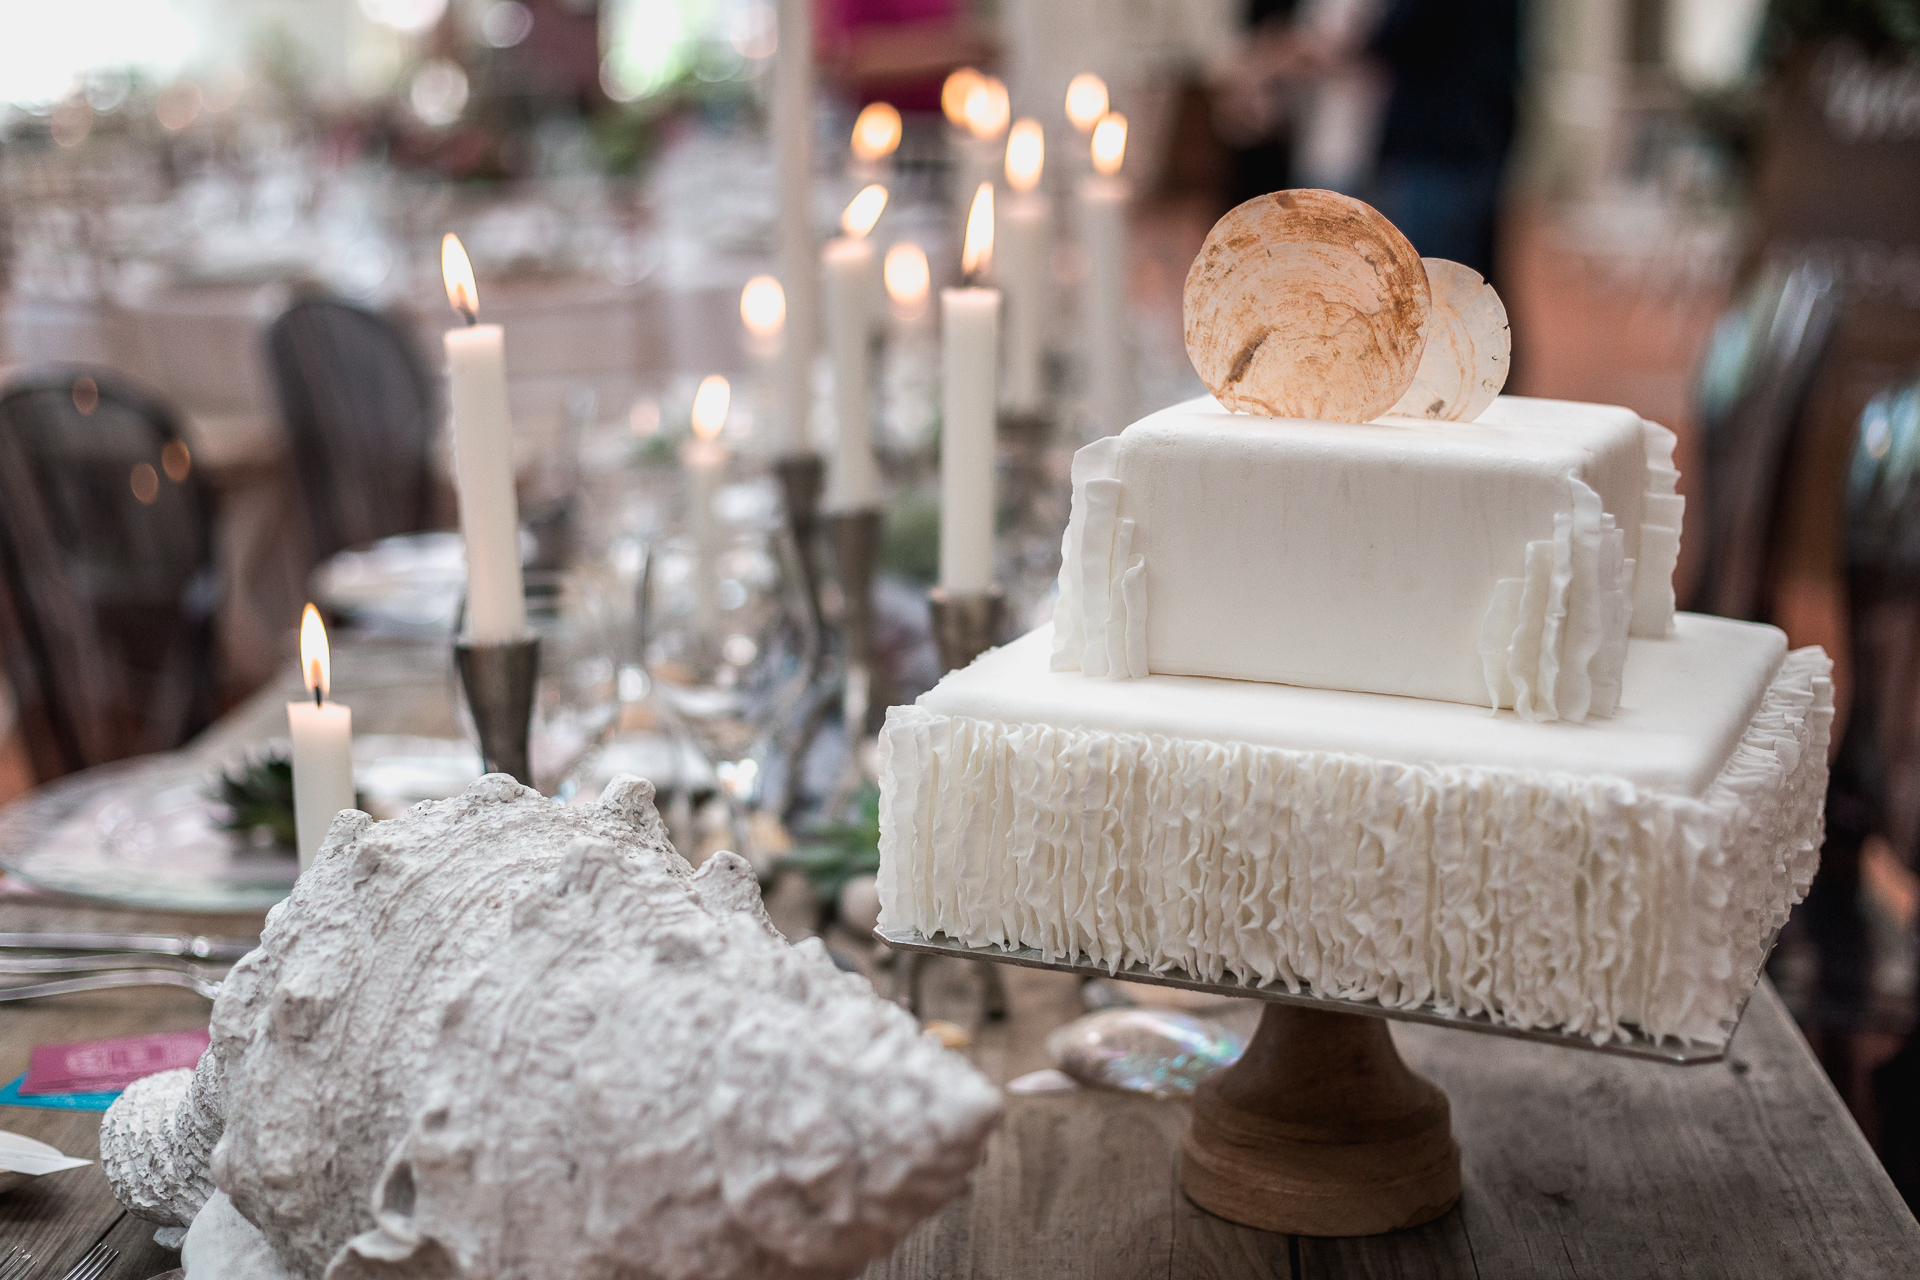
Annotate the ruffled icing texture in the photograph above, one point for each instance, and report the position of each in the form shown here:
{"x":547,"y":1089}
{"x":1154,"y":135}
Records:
{"x":1538,"y":900}
{"x":1102,"y":607}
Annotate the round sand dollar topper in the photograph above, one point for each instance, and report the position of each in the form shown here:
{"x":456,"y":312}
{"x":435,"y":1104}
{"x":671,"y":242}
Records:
{"x":1468,"y":347}
{"x":1307,"y":304}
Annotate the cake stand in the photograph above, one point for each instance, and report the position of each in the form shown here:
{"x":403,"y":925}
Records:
{"x":1320,"y":1129}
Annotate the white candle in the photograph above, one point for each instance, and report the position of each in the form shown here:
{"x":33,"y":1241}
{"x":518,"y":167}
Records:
{"x":322,"y":734}
{"x":1021,"y":269}
{"x":1103,"y":199}
{"x":850,"y":270}
{"x":797,"y":246}
{"x":763,"y":317}
{"x":483,"y":461}
{"x":909,"y":380}
{"x":706,"y":461}
{"x":1086,"y":105}
{"x":970,"y":318}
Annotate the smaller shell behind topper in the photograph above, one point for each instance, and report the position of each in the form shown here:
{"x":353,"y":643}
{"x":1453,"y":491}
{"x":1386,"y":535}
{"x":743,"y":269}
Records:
{"x":1306,"y":304}
{"x":1468,"y":347}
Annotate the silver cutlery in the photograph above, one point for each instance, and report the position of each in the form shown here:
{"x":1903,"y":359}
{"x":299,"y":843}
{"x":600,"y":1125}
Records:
{"x":191,"y":946}
{"x":204,"y":987}
{"x":94,"y":1265}
{"x":14,"y":1263}
{"x":107,"y":960}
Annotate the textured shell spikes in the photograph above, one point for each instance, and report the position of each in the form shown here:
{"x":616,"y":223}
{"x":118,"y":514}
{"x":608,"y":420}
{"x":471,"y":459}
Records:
{"x":1307,"y":304}
{"x":497,"y":1037}
{"x":1468,"y":347}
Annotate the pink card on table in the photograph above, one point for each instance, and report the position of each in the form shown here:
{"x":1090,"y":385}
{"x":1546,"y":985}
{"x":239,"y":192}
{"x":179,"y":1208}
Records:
{"x":101,"y":1066}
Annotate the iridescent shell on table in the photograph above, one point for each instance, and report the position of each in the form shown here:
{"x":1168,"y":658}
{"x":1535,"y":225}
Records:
{"x":1151,"y":1051}
{"x":1306,"y":304}
{"x":1468,"y":351}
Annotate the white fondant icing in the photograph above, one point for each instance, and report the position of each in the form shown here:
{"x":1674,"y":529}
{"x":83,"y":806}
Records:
{"x":1659,"y":538}
{"x":1369,"y":557}
{"x":1629,"y":873}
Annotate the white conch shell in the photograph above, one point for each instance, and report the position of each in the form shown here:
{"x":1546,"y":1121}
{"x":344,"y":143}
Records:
{"x":1306,"y":304}
{"x":498,"y":1037}
{"x":1468,"y":351}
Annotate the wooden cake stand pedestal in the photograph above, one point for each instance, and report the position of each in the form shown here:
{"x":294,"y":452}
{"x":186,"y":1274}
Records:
{"x":1319,"y":1129}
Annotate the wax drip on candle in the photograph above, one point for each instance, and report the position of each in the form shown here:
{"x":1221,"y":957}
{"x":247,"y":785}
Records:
{"x":316,"y":662}
{"x":455,"y":268}
{"x":1086,"y":101}
{"x":1109,"y":144}
{"x":976,"y":256}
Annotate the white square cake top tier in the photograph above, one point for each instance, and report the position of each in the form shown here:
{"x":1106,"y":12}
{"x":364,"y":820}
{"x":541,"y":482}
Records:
{"x":1690,"y":698}
{"x":1489,"y":562}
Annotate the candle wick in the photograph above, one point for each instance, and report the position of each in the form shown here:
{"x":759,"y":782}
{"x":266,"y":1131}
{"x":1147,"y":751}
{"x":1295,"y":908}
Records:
{"x":471,"y":316}
{"x":318,"y":701}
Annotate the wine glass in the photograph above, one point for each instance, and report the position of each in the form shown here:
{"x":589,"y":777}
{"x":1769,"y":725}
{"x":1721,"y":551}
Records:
{"x":576,"y":704}
{"x":729,"y":644}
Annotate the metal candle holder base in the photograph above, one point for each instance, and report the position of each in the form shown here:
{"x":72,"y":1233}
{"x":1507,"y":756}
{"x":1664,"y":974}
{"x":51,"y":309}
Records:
{"x":801,"y":476}
{"x":965,"y":623}
{"x":855,"y":539}
{"x":499,"y":680}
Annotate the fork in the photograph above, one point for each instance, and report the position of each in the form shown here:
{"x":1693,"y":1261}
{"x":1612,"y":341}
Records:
{"x":94,"y":1265}
{"x":14,"y":1263}
{"x":204,"y":987}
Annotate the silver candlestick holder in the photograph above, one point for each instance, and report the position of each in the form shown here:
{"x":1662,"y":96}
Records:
{"x":801,"y":477}
{"x":855,"y":539}
{"x":965,"y":623}
{"x":499,"y":679}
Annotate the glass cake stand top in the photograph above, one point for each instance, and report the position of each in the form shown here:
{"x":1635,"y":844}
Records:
{"x":1667,"y":1050}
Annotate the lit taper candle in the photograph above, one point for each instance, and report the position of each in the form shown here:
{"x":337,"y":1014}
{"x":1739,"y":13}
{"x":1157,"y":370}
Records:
{"x":1020,"y":267}
{"x":322,"y":734}
{"x":483,"y":460}
{"x":970,"y":318}
{"x":1105,"y":322}
{"x":851,"y":273}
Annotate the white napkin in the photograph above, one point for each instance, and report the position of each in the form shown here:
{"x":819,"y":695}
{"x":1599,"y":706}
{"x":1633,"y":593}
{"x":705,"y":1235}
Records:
{"x":22,"y":1158}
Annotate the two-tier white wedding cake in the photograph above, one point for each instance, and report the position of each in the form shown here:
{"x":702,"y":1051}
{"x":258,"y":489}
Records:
{"x":1394,"y":710}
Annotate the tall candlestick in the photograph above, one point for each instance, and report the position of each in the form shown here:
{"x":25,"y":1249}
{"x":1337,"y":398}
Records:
{"x":1103,"y":199}
{"x":971,"y":319}
{"x":322,"y":734}
{"x":483,"y":459}
{"x":850,"y":269}
{"x":977,"y":106}
{"x":706,"y":461}
{"x":909,"y":377}
{"x":792,"y":114}
{"x":1020,"y":268}
{"x":876,"y":136}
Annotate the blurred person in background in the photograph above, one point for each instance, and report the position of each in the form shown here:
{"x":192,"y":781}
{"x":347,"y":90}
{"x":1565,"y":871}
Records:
{"x":1409,"y":104}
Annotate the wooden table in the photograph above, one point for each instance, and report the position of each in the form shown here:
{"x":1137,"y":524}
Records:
{"x":1576,"y":1164}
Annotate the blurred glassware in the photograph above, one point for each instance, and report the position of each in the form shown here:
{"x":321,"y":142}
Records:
{"x":728,"y":643}
{"x":576,"y":703}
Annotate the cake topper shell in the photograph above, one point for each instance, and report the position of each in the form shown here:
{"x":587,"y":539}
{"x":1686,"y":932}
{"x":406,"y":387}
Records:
{"x":1306,"y":304}
{"x":1468,"y":347}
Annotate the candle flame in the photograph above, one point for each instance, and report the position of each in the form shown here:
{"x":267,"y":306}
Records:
{"x":953,"y":94}
{"x":906,"y":274}
{"x":876,"y":132}
{"x":1026,"y":154}
{"x":457,"y":271}
{"x":710,"y":406}
{"x":316,"y":664}
{"x":1086,"y":101}
{"x":763,"y":307}
{"x":977,"y":255}
{"x":864,"y":210}
{"x":987,"y":108}
{"x":1109,"y":143}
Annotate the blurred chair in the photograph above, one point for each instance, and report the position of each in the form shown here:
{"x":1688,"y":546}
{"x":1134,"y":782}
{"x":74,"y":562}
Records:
{"x":360,"y":415}
{"x":1758,"y":369}
{"x":106,"y":557}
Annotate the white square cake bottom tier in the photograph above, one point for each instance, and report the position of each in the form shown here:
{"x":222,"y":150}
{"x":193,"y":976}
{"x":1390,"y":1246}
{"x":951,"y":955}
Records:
{"x":1600,"y":879}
